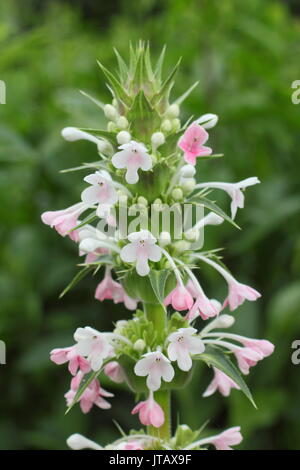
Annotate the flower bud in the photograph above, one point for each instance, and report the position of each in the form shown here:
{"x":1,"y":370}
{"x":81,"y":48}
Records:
{"x":111,"y":127}
{"x":122,"y":122}
{"x":207,"y":120}
{"x":105,"y":147}
{"x":181,"y":246}
{"x":176,"y":124}
{"x":224,"y":321}
{"x":139,"y":345}
{"x":164,"y":239}
{"x":142,"y":201}
{"x":123,"y":198}
{"x":192,"y":235}
{"x":110,"y":112}
{"x":157,"y":139}
{"x":166,"y":125}
{"x":187,"y":171}
{"x":173,"y":111}
{"x":177,"y":194}
{"x":123,"y":137}
{"x":115,"y":103}
{"x":188,"y":184}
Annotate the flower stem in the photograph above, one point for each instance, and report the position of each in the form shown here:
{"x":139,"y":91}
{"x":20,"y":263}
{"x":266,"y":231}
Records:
{"x":157,"y":314}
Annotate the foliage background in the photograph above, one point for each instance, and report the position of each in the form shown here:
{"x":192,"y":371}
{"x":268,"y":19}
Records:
{"x":246,"y":55}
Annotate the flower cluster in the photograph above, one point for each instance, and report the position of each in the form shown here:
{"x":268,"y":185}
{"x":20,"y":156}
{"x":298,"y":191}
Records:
{"x":147,"y":160}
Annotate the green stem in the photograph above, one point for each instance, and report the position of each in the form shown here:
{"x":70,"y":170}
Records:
{"x":157,"y":314}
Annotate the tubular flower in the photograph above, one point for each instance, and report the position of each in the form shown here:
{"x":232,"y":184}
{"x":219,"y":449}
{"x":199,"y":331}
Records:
{"x":133,"y":156}
{"x":142,"y":247}
{"x":156,"y":366}
{"x":150,"y":413}
{"x":192,"y":143}
{"x":183,"y":344}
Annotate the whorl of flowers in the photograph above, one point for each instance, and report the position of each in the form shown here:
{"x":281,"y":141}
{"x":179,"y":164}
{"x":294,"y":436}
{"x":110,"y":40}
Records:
{"x":145,"y":161}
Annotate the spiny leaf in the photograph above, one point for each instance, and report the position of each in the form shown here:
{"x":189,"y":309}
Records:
{"x":166,"y":86}
{"x":186,"y":94}
{"x":85,"y":382}
{"x":94,"y":100}
{"x":116,"y":85}
{"x":213,"y":207}
{"x":158,"y":281}
{"x":216,"y":358}
{"x":80,"y":275}
{"x":158,"y":68}
{"x":123,"y":69}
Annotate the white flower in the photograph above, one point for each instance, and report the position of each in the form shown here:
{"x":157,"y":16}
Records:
{"x":141,"y":249}
{"x":133,"y":156}
{"x":93,"y":345}
{"x":156,"y":366}
{"x":183,"y":343}
{"x":101,"y":190}
{"x":78,"y":442}
{"x":234,"y":190}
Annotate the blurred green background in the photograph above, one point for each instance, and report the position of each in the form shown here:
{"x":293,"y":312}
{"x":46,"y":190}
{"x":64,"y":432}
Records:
{"x":245,"y":55}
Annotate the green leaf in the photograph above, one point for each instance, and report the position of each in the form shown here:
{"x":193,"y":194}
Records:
{"x":144,"y":119}
{"x":80,"y":275}
{"x":212,"y":157}
{"x":94,"y":100}
{"x":89,"y":219}
{"x":85,"y":382}
{"x":166,"y":86}
{"x":123,"y":69}
{"x":158,"y":282}
{"x":216,"y":358}
{"x":186,"y":94}
{"x":213,"y":207}
{"x":110,"y":136}
{"x":158,"y":68}
{"x":115,"y":85}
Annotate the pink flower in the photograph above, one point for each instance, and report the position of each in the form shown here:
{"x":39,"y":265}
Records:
{"x":220,"y":382}
{"x":92,"y":395}
{"x":237,"y":294}
{"x":133,"y":445}
{"x":142,"y":247}
{"x":204,"y":307}
{"x":112,"y":290}
{"x":180,"y":298}
{"x":101,"y":190}
{"x":93,"y":345}
{"x":63,"y":355}
{"x":150,"y":413}
{"x":114,"y":371}
{"x":247,"y":358}
{"x":261,"y":346}
{"x":133,"y":156}
{"x":183,"y":344}
{"x":192,"y":143}
{"x":65,"y":220}
{"x":228,"y":438}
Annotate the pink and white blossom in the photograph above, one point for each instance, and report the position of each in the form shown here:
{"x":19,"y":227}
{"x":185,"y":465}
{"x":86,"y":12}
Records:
{"x":235,"y":191}
{"x":114,"y":371}
{"x":70,"y":355}
{"x":94,"y":394}
{"x":150,"y":413}
{"x":183,"y":344}
{"x":179,"y":298}
{"x":65,"y":220}
{"x":133,"y":156}
{"x":247,"y":357}
{"x":238,"y":293}
{"x":112,"y":290}
{"x":100,"y":191}
{"x":156,"y":366}
{"x":203,"y":306}
{"x":142,"y":247}
{"x":228,"y":438}
{"x":93,"y":345}
{"x":220,"y":382}
{"x":192,"y":143}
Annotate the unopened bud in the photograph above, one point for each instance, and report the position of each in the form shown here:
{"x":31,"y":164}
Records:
{"x":157,"y":139}
{"x":192,"y":235}
{"x":182,"y":246}
{"x":110,"y":112}
{"x":166,"y":125}
{"x":164,"y":239}
{"x":177,"y":194}
{"x":139,"y":345}
{"x":123,"y":200}
{"x":208,"y":120}
{"x":111,"y":127}
{"x":187,"y":171}
{"x":142,"y":201}
{"x":176,"y":124}
{"x":188,"y":184}
{"x":123,"y":137}
{"x":105,"y":147}
{"x":122,"y":122}
{"x":173,"y":111}
{"x":224,"y":321}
